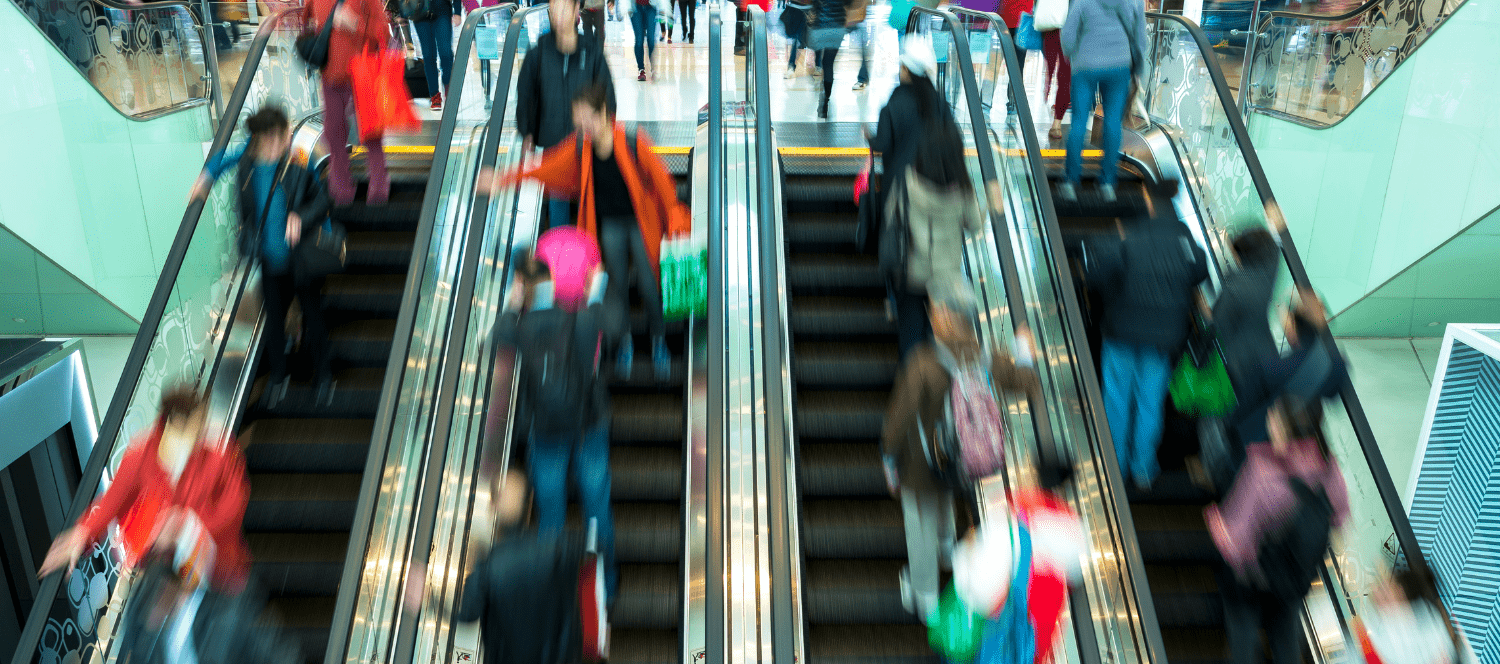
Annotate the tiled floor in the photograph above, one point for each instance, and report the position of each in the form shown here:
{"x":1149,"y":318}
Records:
{"x":1393,"y":378}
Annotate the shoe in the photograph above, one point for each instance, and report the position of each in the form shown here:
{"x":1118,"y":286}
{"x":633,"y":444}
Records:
{"x":276,"y":390}
{"x":1067,"y":192}
{"x":790,"y":74}
{"x":625,"y":358}
{"x":823,"y":109}
{"x":642,"y":76}
{"x":908,"y":602}
{"x":661,"y":359}
{"x":436,"y":103}
{"x":1107,"y":193}
{"x":669,"y":39}
{"x":1142,"y":484}
{"x":326,"y":386}
{"x":861,"y":85}
{"x":1056,"y":131}
{"x":817,"y":72}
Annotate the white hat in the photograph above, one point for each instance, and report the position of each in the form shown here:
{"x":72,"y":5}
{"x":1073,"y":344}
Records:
{"x":917,"y":55}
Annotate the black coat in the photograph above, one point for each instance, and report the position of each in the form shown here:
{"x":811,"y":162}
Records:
{"x":901,"y":128}
{"x":306,"y":195}
{"x":1241,"y":317}
{"x":549,"y":79}
{"x":526,"y":593}
{"x":529,"y":330}
{"x":1149,"y":283}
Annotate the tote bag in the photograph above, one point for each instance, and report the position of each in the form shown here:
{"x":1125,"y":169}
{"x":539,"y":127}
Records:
{"x":381,"y":100}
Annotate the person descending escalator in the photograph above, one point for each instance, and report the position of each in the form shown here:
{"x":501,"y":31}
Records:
{"x":1149,"y":280}
{"x":563,"y":398}
{"x":933,"y":204}
{"x":179,"y":497}
{"x":553,"y":72}
{"x":1240,"y":313}
{"x":794,"y":22}
{"x":932,"y":385}
{"x":274,"y":216}
{"x":1105,"y":42}
{"x":1407,"y":623}
{"x":1274,"y":529}
{"x":628,"y":201}
{"x":359,"y":26}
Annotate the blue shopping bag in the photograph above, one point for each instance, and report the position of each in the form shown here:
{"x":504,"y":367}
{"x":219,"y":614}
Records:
{"x":1026,"y":35}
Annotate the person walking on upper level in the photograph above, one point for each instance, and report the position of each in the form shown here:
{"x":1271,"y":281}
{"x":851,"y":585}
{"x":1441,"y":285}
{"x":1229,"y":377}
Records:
{"x":1105,"y":41}
{"x":433,"y":21}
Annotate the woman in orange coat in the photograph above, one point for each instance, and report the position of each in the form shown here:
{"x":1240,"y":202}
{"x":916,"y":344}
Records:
{"x":628,"y":202}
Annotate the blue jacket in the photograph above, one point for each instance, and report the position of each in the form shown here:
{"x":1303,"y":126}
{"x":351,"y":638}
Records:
{"x":254,"y":190}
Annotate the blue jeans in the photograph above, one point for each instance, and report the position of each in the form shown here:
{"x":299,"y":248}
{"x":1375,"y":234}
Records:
{"x":583,"y":455}
{"x":864,"y":51}
{"x":437,"y":47}
{"x":644,"y":22}
{"x":1114,"y":86}
{"x":1135,"y":387}
{"x":559,"y":212}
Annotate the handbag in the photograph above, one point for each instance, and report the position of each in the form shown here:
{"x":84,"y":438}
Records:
{"x":1050,"y":15}
{"x":313,"y":48}
{"x":1202,"y":391}
{"x":325,"y":252}
{"x":381,"y":100}
{"x":684,"y":278}
{"x":1026,"y":35}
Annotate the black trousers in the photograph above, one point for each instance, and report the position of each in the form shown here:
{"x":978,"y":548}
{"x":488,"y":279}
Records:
{"x":912,"y":324}
{"x":689,"y":21}
{"x":278,"y":290}
{"x":741,"y":17}
{"x":1247,"y":611}
{"x":826,"y":58}
{"x":593,"y":23}
{"x":621,"y":243}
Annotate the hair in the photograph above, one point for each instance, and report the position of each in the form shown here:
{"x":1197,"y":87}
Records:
{"x":1417,"y":585}
{"x":940,"y":156}
{"x":1256,"y":248}
{"x":1303,"y":419}
{"x":929,"y":101}
{"x":532,"y":271}
{"x":180,"y":401}
{"x":597,"y":97}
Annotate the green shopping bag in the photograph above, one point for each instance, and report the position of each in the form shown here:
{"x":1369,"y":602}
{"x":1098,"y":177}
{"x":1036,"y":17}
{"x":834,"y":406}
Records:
{"x":684,"y":278}
{"x":954,"y":631}
{"x":1202,"y":391}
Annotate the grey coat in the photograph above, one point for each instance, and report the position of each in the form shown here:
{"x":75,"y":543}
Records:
{"x":1105,"y":34}
{"x":937,"y":220}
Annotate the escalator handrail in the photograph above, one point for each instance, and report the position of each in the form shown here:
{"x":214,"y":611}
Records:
{"x":135,"y":362}
{"x":1078,"y":598}
{"x":715,"y":623}
{"x":1361,"y":424}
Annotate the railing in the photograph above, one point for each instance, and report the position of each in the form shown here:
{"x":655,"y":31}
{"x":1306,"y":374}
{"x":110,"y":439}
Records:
{"x":1187,"y":97}
{"x":715,"y":621}
{"x":183,"y":332}
{"x":1315,"y":69}
{"x":1039,"y":445}
{"x":145,"y":60}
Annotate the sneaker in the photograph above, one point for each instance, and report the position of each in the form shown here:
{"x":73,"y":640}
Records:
{"x":1107,"y":193}
{"x":790,"y":74}
{"x":908,"y":602}
{"x":1142,"y":484}
{"x":1067,"y":192}
{"x":817,"y":72}
{"x":625,"y":359}
{"x":276,"y":391}
{"x":642,"y":76}
{"x":661,"y":359}
{"x":436,"y":103}
{"x":326,"y":386}
{"x":823,"y":109}
{"x":861,"y":85}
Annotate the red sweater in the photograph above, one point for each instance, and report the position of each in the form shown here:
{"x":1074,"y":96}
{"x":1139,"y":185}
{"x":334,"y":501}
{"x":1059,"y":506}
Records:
{"x":373,"y":33}
{"x":212,"y":487}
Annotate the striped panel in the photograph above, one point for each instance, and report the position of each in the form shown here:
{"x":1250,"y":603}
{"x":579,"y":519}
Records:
{"x":1456,"y":507}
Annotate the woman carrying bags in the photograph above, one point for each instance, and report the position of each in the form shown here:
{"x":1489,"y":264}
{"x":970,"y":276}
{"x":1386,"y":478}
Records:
{"x":1049,"y":18}
{"x":358,"y":26}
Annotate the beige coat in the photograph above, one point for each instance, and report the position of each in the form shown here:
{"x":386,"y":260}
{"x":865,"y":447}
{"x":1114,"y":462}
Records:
{"x":937,"y":219}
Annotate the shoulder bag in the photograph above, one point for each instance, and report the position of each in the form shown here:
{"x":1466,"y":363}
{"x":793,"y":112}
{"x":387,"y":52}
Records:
{"x":313,"y":47}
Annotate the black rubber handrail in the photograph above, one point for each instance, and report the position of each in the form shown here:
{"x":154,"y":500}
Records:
{"x":1047,"y":442}
{"x":130,"y":376}
{"x":1378,"y":470}
{"x":714,"y":638}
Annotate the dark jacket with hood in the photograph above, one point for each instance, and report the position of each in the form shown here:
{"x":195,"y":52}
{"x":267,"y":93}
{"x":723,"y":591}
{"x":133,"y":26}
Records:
{"x":549,"y":79}
{"x":1312,"y":369}
{"x":302,"y":190}
{"x":899,"y":130}
{"x":1241,"y":318}
{"x":525,"y":592}
{"x":1148,"y":281}
{"x":532,"y":330}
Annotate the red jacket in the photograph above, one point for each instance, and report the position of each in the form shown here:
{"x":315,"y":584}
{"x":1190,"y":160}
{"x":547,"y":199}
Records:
{"x":653,"y":192}
{"x":212,"y":487}
{"x":373,"y":33}
{"x":1011,"y":10}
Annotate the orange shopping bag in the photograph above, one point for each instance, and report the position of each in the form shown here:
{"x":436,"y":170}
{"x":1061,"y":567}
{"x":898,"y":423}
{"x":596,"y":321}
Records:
{"x":381,"y":102}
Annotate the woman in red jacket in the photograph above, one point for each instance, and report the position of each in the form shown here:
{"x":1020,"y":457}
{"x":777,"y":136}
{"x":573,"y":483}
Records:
{"x":358,"y":26}
{"x":177,"y":495}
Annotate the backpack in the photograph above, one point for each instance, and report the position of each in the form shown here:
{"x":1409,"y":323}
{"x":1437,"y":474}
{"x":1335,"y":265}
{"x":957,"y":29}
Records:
{"x":968,"y":443}
{"x":418,"y":10}
{"x":557,"y":378}
{"x":1290,"y":556}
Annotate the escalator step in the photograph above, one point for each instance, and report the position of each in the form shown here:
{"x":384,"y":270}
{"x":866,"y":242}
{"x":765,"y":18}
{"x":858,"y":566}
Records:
{"x":825,"y":189}
{"x":356,"y":396}
{"x":647,"y":419}
{"x":645,"y":532}
{"x":852,"y":592}
{"x":827,"y":469}
{"x":1195,"y":645}
{"x":306,"y":619}
{"x":379,"y":252}
{"x":314,"y":446}
{"x":834,"y":273}
{"x":363,"y":343}
{"x":821,"y":230}
{"x":1185,"y":595}
{"x":833,"y":365}
{"x":1173,"y":533}
{"x":869,"y":644}
{"x":853,"y":529}
{"x":375,"y":295}
{"x":640,"y":646}
{"x":305,"y":502}
{"x":299,"y":564}
{"x":646,"y":473}
{"x":650,"y":597}
{"x":841,"y":414}
{"x":839,"y":316}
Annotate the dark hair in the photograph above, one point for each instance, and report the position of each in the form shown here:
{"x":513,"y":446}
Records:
{"x":265,"y":121}
{"x":1256,"y":248}
{"x":929,"y":101}
{"x":940,"y":156}
{"x":179,"y":402}
{"x":1417,"y":585}
{"x":596,"y":97}
{"x":1303,"y":419}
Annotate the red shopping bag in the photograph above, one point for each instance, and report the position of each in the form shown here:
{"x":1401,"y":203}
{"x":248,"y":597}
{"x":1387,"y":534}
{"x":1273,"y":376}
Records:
{"x":862,"y":180}
{"x":381,"y":101}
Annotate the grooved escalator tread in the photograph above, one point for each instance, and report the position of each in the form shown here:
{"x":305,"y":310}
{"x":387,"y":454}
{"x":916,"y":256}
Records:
{"x":870,"y":528}
{"x":828,"y":469}
{"x":841,"y":414}
{"x":646,"y":473}
{"x":302,"y":502}
{"x":356,"y":396}
{"x":869,"y":644}
{"x":376,"y":295}
{"x":375,"y":252}
{"x":647,"y":418}
{"x":839,"y":316}
{"x":853,"y":592}
{"x":299,"y":564}
{"x":833,"y":365}
{"x":821,"y":229}
{"x":643,"y":646}
{"x":363,"y":343}
{"x":1172,"y":533}
{"x":648,"y":532}
{"x":650,"y":597}
{"x":833,"y":273}
{"x":307,"y":445}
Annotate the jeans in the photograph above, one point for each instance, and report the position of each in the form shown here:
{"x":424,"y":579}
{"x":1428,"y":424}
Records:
{"x":437,"y":48}
{"x":928,"y":517}
{"x":338,"y":105}
{"x":593,"y":24}
{"x":559,"y":212}
{"x":278,"y":291}
{"x":1135,"y":388}
{"x":826,"y":58}
{"x":621,"y":243}
{"x":584,"y":456}
{"x":1114,"y":86}
{"x":861,"y":33}
{"x":912,"y":325}
{"x":644,"y":22}
{"x":1246,"y":612}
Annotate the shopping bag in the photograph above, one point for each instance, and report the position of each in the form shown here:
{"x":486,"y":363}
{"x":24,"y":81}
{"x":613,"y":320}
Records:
{"x":955,"y":631}
{"x":684,"y":278}
{"x":1026,"y":35}
{"x":381,"y":101}
{"x":323,"y":252}
{"x":592,"y":600}
{"x":1050,"y":15}
{"x":1201,"y":391}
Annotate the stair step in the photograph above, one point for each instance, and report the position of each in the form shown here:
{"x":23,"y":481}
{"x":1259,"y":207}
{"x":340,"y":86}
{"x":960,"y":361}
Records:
{"x":855,"y":592}
{"x":841,"y":415}
{"x":853,"y":529}
{"x":307,"y":445}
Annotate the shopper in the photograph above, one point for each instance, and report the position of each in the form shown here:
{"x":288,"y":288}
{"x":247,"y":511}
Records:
{"x":593,"y":21}
{"x":1287,"y":498}
{"x":688,"y":17}
{"x":859,"y":31}
{"x":1407,"y":624}
{"x":274,"y":215}
{"x":643,"y":21}
{"x":554,"y":70}
{"x":1058,"y":73}
{"x":359,"y":26}
{"x":1312,"y":368}
{"x":923,"y":384}
{"x":936,"y":200}
{"x":827,"y":34}
{"x":794,"y":22}
{"x":1010,"y":14}
{"x":1105,"y":42}
{"x":1241,"y":314}
{"x":564,"y":400}
{"x":628,"y":200}
{"x":433,"y":21}
{"x":914,"y":105}
{"x":1148,"y":280}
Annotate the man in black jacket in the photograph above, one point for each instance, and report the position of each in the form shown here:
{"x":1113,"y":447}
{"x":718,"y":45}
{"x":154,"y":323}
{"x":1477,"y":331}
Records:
{"x":1149,"y":281}
{"x":554,"y":71}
